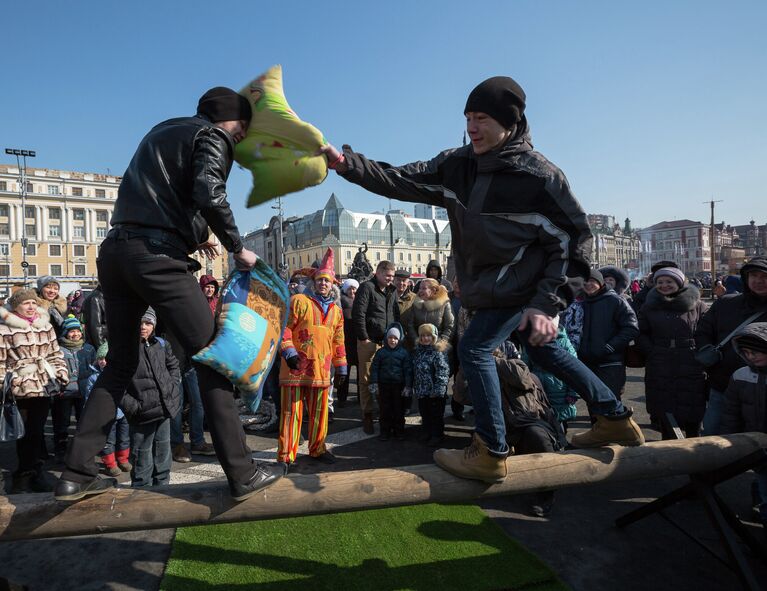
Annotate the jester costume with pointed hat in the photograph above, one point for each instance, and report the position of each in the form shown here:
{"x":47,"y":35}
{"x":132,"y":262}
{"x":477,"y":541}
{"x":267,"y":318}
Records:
{"x":313,"y":342}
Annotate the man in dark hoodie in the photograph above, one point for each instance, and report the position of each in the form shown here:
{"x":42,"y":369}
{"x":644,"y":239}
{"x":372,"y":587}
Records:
{"x":520,"y":240}
{"x":724,"y":316}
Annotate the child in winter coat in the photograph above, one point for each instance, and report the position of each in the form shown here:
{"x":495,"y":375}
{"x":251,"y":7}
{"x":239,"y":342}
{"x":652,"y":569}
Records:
{"x":391,"y":381}
{"x":431,"y":372}
{"x":32,"y":363}
{"x":116,"y":453}
{"x":745,"y":401}
{"x":152,"y":398}
{"x":79,"y":357}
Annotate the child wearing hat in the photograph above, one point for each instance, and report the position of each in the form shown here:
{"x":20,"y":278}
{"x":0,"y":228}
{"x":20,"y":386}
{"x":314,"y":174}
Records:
{"x":116,"y":453}
{"x":431,"y":373}
{"x":79,"y":357}
{"x":391,"y":380}
{"x":745,"y":401}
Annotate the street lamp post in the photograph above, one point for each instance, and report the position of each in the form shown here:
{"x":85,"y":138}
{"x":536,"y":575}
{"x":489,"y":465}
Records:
{"x":21,"y":162}
{"x":282,"y":267}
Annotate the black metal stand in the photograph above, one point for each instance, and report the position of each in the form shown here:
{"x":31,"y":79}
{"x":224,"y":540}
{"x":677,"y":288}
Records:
{"x":701,"y":488}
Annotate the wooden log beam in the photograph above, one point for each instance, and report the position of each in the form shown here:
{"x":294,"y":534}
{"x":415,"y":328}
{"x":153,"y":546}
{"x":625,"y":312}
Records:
{"x":40,"y":516}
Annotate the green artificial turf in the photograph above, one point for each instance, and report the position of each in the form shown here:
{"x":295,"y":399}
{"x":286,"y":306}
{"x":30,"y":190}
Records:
{"x":424,"y":548}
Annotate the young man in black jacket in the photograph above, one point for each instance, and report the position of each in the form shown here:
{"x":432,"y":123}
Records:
{"x":520,"y":239}
{"x":172,"y":193}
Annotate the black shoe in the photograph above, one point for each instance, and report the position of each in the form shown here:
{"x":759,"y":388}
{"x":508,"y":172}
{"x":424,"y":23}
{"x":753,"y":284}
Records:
{"x":66,"y":490}
{"x":542,"y":504}
{"x":265,"y":475}
{"x":325,"y":458}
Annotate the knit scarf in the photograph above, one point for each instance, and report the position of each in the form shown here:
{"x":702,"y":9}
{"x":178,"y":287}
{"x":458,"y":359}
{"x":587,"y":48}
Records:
{"x":70,"y":344}
{"x":30,"y":320}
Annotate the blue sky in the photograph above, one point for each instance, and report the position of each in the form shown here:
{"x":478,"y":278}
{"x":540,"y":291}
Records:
{"x":650,"y":108}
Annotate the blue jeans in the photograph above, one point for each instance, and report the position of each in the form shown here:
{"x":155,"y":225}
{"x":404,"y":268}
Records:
{"x":119,"y":437}
{"x":191,"y":390}
{"x":712,"y":420}
{"x":486,"y":331}
{"x":150,"y":454}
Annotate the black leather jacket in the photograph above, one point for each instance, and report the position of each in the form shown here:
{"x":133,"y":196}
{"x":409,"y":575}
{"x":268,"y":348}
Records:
{"x":94,"y":314}
{"x":176,"y":182}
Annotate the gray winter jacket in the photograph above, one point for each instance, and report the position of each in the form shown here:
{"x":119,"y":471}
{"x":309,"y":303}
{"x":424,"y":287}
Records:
{"x":519,"y":235}
{"x":745,"y":400}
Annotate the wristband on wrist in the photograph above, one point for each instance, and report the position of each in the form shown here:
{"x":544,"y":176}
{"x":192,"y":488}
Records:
{"x":337,"y":161}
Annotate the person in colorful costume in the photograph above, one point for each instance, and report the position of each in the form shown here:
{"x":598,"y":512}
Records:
{"x":313,"y":342}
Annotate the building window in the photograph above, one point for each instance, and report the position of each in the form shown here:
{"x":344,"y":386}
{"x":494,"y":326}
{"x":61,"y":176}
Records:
{"x":79,"y":250}
{"x":102,"y":216}
{"x":80,"y":270}
{"x":53,"y":190}
{"x":418,"y":257}
{"x":5,"y":230}
{"x":409,"y":257}
{"x":101,"y":232}
{"x":4,"y":210}
{"x":3,"y":185}
{"x":78,"y":215}
{"x":29,"y":212}
{"x":402,"y":256}
{"x":31,"y":250}
{"x":32,"y":270}
{"x":348,"y":254}
{"x":30,"y":188}
{"x":78,"y":232}
{"x":54,"y":213}
{"x":30,"y":230}
{"x":56,"y":270}
{"x":378,"y":256}
{"x":4,"y":249}
{"x":54,"y":250}
{"x":54,"y":231}
{"x":5,"y":270}
{"x":101,"y":193}
{"x":77,"y":191}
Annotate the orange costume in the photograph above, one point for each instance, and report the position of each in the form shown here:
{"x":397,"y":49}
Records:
{"x":315,"y":335}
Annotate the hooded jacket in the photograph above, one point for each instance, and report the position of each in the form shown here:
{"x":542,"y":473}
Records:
{"x":27,"y":351}
{"x":210,"y":280}
{"x":392,"y":366}
{"x":176,"y":182}
{"x":434,"y":264}
{"x":620,"y":276}
{"x":723,"y":317}
{"x":154,"y":392}
{"x":519,"y":236}
{"x":609,"y":325}
{"x":674,"y":381}
{"x":745,"y":401}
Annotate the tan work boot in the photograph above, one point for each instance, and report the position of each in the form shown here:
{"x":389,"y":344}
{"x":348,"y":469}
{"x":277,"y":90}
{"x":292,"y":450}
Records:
{"x":367,"y":423}
{"x":473,"y":462}
{"x":619,"y":429}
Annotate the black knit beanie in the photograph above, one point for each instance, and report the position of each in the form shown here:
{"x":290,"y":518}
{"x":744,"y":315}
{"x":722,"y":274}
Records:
{"x":597,"y":276}
{"x":752,"y":342}
{"x":224,"y":104}
{"x":501,"y":98}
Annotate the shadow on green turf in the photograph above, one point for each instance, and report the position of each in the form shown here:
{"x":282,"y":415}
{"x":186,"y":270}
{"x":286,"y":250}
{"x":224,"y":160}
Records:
{"x":444,"y":547}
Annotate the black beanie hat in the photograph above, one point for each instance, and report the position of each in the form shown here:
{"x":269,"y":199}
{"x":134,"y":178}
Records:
{"x":224,"y":104}
{"x":752,"y":342}
{"x":663,"y":264}
{"x":501,"y":98}
{"x":597,"y":276}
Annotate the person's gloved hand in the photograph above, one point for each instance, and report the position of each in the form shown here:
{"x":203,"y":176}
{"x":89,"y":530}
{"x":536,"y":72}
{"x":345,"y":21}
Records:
{"x":407,"y":392}
{"x":373,"y":389}
{"x":339,"y":380}
{"x":293,"y":362}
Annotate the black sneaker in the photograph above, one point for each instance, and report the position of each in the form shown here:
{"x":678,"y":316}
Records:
{"x":265,"y":475}
{"x":66,"y":490}
{"x":325,"y":457}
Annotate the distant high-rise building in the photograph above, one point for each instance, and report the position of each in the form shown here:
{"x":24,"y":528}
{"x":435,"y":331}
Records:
{"x":430,"y":212}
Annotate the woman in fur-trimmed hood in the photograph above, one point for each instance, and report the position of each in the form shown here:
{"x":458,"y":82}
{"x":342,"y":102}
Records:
{"x":432,"y":307}
{"x":674,"y":381}
{"x":31,"y":359}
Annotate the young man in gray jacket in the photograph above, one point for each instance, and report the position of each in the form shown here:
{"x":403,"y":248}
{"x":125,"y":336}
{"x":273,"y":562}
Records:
{"x":520,"y":240}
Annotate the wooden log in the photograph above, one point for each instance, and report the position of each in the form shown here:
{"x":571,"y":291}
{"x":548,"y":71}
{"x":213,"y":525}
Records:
{"x":40,"y":516}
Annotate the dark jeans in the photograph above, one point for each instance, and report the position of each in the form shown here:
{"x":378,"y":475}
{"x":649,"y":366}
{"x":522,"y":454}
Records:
{"x":34,"y":413}
{"x":62,"y":414}
{"x":391,"y":407}
{"x":534,"y":440}
{"x":135,"y":272}
{"x":432,"y":415}
{"x":613,"y":376}
{"x":486,"y":331}
{"x":150,"y":454}
{"x":118,"y":438}
{"x":190,"y":388}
